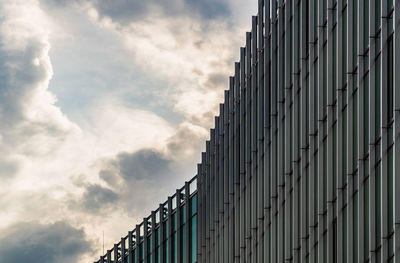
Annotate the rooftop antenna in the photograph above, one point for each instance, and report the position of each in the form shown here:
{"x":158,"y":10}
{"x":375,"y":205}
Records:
{"x":103,"y":242}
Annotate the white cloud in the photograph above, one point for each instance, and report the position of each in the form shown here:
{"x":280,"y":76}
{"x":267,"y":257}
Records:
{"x":51,"y":166}
{"x":184,"y":52}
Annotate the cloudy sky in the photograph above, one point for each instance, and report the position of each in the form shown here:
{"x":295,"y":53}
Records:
{"x":105,"y":106}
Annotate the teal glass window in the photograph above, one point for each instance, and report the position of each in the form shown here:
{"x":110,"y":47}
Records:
{"x":133,"y":256}
{"x":141,"y":251}
{"x":193,"y":239}
{"x":193,"y":205}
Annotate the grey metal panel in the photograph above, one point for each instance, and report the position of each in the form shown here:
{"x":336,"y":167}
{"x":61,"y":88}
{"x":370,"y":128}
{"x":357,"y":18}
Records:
{"x":248,"y":211}
{"x":331,"y":133}
{"x":341,"y":175}
{"x":236,"y":164}
{"x":362,"y":83}
{"x":385,"y":126}
{"x":179,"y":224}
{"x":313,"y":130}
{"x":351,"y":150}
{"x":260,"y":133}
{"x":187,"y":236}
{"x":296,"y":131}
{"x":213,"y":200}
{"x":242,"y":163}
{"x":221,"y":185}
{"x":145,"y":239}
{"x":280,"y":131}
{"x":304,"y":143}
{"x":169,"y":225}
{"x":137,"y":242}
{"x":254,"y":143}
{"x":225,"y":163}
{"x":162,"y":232}
{"x":115,"y":250}
{"x":274,"y":129}
{"x":130,"y":247}
{"x":217,"y":191}
{"x":373,"y":41}
{"x":396,"y":156}
{"x":287,"y":132}
{"x":267,"y":133}
{"x":230,"y":148}
{"x":321,"y":133}
{"x":108,"y":256}
{"x":123,"y":250}
{"x":207,"y":203}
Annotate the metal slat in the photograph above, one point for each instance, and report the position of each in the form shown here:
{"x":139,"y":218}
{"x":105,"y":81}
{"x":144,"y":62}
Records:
{"x":296,"y":132}
{"x":331,"y":118}
{"x":384,"y":89}
{"x":304,"y":143}
{"x":242,"y":158}
{"x":313,"y":131}
{"x":280,"y":127}
{"x":373,"y":156}
{"x":236,"y":163}
{"x":274,"y":128}
{"x":253,"y":139}
{"x":362,"y":118}
{"x":248,"y":146}
{"x":260,"y":133}
{"x":267,"y":134}
{"x":396,"y":155}
{"x":341,"y":173}
{"x":287,"y":130}
{"x":351,"y":151}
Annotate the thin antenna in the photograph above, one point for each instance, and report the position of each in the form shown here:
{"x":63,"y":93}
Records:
{"x":103,"y":242}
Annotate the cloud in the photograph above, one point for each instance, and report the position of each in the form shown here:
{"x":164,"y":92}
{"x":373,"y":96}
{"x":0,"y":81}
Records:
{"x":126,"y":11}
{"x":217,"y":80}
{"x":95,"y":199}
{"x":142,"y":165}
{"x":210,"y":8}
{"x":137,"y":137}
{"x":29,"y":119}
{"x":187,"y":143}
{"x":38,"y":243}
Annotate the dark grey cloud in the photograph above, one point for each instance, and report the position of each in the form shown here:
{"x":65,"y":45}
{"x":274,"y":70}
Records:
{"x":144,"y":164}
{"x":209,"y":8}
{"x":217,"y":81}
{"x":96,"y":197}
{"x":125,"y":11}
{"x":36,"y":243}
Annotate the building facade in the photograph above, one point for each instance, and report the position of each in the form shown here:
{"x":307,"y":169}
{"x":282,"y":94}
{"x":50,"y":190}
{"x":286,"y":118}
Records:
{"x":303,"y":164}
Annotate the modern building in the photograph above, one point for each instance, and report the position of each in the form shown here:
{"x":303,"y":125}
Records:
{"x":303,"y":164}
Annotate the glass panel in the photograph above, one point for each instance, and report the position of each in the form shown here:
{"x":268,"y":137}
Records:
{"x":174,"y":249}
{"x":133,"y":256}
{"x":193,"y":205}
{"x":141,"y":251}
{"x":183,"y":243}
{"x":165,"y":251}
{"x":193,"y":186}
{"x":193,"y":239}
{"x":157,"y":236}
{"x":166,"y":230}
{"x":158,"y":255}
{"x":174,"y":222}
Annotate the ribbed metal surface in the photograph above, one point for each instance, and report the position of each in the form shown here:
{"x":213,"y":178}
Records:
{"x":303,"y":164}
{"x":306,"y":144}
